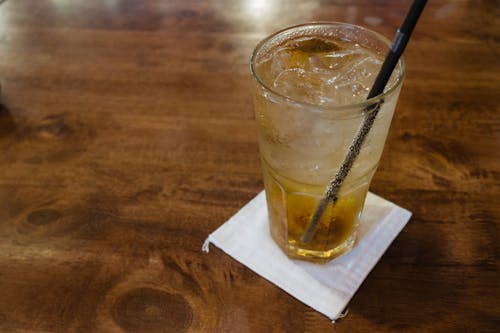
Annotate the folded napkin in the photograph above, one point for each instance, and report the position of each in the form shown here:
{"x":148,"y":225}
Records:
{"x":326,"y":288}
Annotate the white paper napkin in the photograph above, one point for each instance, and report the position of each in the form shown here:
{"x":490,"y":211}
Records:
{"x":326,"y":288}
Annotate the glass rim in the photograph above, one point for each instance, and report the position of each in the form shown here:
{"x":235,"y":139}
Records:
{"x":319,"y":107}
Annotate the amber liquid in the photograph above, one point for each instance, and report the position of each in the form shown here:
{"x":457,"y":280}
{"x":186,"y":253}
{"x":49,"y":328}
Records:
{"x":291,"y":206}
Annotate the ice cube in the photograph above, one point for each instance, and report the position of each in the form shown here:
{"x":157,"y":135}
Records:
{"x":333,"y":61}
{"x":313,"y":45}
{"x":302,"y":85}
{"x":363,"y":72}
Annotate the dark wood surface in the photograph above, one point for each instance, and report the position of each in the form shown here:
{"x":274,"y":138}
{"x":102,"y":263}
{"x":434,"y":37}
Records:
{"x":127,"y":135}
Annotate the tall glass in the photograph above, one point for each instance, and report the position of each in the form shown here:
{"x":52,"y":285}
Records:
{"x":310,"y":88}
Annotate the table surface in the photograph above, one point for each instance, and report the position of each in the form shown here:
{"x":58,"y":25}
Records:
{"x":127,"y":135}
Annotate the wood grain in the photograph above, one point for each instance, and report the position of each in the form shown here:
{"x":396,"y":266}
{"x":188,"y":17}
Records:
{"x":127,"y":136}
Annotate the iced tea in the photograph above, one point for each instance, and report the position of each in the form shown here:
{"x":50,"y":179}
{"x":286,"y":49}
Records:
{"x":311,"y":83}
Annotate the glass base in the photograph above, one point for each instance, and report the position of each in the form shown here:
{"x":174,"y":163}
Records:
{"x":320,"y":257}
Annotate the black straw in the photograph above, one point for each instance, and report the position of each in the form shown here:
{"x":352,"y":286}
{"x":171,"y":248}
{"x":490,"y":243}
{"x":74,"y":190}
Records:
{"x":398,"y":46}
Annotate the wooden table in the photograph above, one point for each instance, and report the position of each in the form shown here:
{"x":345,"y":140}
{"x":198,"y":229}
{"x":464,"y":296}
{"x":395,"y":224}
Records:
{"x":127,"y":135}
